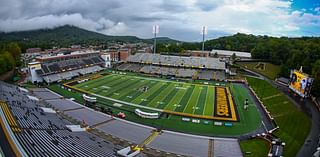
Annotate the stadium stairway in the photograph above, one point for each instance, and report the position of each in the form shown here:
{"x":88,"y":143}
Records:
{"x":101,"y":123}
{"x":214,"y":77}
{"x":210,"y":148}
{"x":10,"y":118}
{"x":150,"y":138}
{"x":72,"y":109}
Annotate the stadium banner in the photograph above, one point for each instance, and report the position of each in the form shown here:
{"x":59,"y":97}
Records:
{"x":300,"y":83}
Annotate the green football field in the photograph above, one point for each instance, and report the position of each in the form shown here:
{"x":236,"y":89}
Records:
{"x":124,"y":89}
{"x":160,"y":94}
{"x":166,"y":95}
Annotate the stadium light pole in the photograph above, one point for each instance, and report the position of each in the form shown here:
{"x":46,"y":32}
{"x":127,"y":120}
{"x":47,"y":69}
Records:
{"x":155,"y":31}
{"x":204,"y":32}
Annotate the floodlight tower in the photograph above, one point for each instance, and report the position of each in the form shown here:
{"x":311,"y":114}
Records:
{"x":155,"y":31}
{"x":204,"y":32}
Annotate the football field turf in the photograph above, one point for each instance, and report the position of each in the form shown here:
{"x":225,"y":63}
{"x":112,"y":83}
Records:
{"x":169,"y":96}
{"x":124,"y":93}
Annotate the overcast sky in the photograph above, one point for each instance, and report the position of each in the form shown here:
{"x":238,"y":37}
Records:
{"x":178,"y":19}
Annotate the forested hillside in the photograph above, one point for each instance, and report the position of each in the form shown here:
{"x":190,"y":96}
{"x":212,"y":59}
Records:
{"x":65,"y":36}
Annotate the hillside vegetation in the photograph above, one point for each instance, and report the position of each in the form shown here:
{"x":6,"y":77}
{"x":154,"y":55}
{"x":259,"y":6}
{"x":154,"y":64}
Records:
{"x":65,"y":36}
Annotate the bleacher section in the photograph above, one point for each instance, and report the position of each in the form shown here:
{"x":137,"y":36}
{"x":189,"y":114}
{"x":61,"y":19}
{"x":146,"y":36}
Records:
{"x":178,"y":66}
{"x":70,"y":74}
{"x":68,"y":65}
{"x":12,"y":121}
{"x":57,"y":69}
{"x":46,"y":134}
{"x":130,"y":67}
{"x":178,"y":61}
{"x":205,"y":74}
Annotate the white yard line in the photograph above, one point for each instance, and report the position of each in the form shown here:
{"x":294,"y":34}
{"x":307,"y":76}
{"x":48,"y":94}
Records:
{"x":194,"y":110}
{"x":127,"y":103}
{"x":188,"y":100}
{"x":205,"y":103}
{"x":178,"y":102}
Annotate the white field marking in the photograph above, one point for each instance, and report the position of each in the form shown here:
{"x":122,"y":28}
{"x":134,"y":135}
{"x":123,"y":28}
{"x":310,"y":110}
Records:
{"x":195,"y":108}
{"x":177,"y":105}
{"x":126,"y":103}
{"x":160,"y":102}
{"x":105,"y":91}
{"x":205,"y":104}
{"x":105,"y":87}
{"x":94,"y":88}
{"x":197,"y":99}
{"x":144,"y":99}
{"x":86,"y":86}
{"x":116,"y":93}
{"x":129,"y":96}
{"x":264,"y":126}
{"x":117,"y":105}
{"x":189,"y":100}
{"x":181,"y":88}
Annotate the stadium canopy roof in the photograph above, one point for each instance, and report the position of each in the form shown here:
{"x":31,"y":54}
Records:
{"x":230,"y":53}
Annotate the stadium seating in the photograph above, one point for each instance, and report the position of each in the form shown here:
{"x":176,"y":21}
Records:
{"x":179,"y":61}
{"x":174,"y":71}
{"x":67,"y":65}
{"x":70,"y":74}
{"x":177,"y":66}
{"x":45,"y":134}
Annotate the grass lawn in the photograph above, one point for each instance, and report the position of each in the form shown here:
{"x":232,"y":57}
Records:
{"x":270,"y":70}
{"x":255,"y":147}
{"x":294,"y":124}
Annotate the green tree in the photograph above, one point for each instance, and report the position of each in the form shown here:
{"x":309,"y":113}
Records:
{"x":316,"y":75}
{"x":215,"y":55}
{"x":15,"y":51}
{"x":233,"y":57}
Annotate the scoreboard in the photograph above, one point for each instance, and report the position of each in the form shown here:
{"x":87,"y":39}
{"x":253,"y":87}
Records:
{"x":300,"y":83}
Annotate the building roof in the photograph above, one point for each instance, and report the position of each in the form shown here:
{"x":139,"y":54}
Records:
{"x":230,"y":53}
{"x":75,"y":53}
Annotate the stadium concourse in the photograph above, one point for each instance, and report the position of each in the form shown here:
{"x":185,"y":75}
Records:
{"x":38,"y":121}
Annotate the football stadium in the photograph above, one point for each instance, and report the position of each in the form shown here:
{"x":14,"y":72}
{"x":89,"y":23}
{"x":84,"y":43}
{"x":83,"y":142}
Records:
{"x":148,"y":104}
{"x":87,"y":79}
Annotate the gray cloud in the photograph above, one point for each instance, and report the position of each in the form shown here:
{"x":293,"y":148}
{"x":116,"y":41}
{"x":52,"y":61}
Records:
{"x":208,"y":5}
{"x":179,"y":19}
